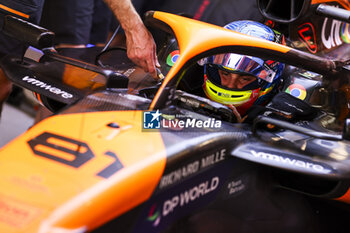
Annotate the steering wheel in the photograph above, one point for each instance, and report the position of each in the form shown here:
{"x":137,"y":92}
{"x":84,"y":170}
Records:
{"x":204,"y":106}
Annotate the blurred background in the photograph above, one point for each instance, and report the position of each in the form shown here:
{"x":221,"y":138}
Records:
{"x":16,"y":118}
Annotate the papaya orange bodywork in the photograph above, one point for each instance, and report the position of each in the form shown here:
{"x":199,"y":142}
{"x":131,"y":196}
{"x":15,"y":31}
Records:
{"x":345,"y":198}
{"x":63,"y":197}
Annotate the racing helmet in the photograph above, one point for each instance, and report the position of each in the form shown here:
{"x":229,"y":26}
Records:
{"x":267,"y":73}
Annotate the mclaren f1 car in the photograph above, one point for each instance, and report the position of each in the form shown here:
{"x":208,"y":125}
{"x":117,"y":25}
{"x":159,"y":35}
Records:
{"x":126,"y":153}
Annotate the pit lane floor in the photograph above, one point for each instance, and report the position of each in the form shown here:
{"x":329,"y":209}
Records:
{"x":13,"y":122}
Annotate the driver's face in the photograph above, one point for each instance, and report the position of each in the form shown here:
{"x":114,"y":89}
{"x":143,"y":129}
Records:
{"x":235,"y":81}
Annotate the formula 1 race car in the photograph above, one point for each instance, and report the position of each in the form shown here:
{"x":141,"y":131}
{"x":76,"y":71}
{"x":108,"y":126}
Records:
{"x":126,"y":153}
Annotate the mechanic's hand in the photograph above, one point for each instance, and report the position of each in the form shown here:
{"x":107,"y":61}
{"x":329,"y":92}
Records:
{"x":236,"y":113}
{"x":141,"y":49}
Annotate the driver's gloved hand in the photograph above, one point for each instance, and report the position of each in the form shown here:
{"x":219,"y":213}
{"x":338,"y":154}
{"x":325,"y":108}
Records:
{"x":253,"y":112}
{"x":290,"y":108}
{"x":284,"y":107}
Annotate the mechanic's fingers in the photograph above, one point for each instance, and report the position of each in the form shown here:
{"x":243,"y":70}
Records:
{"x":151,"y":67}
{"x":154,"y":65}
{"x":147,"y":62}
{"x":143,"y":64}
{"x":160,"y":76}
{"x":156,"y":57}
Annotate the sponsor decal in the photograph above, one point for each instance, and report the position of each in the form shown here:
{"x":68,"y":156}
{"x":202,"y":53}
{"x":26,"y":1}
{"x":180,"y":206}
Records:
{"x":270,"y":23}
{"x":16,"y":214}
{"x":345,"y":33}
{"x":190,"y":195}
{"x":47,"y":87}
{"x":178,"y":174}
{"x":213,"y":158}
{"x":297,"y":91}
{"x":235,"y":187}
{"x":290,"y":161}
{"x":154,"y":215}
{"x":195,"y":193}
{"x":127,"y":72}
{"x":157,"y":120}
{"x":334,"y":33}
{"x":33,"y":183}
{"x":307,"y":36}
{"x":309,"y":74}
{"x":175,"y":204}
{"x":172,"y":57}
{"x":192,"y":168}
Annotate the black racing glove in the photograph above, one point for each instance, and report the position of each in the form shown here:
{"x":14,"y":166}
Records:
{"x":284,"y":107}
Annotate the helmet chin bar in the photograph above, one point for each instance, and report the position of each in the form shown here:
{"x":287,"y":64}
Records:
{"x":225,"y":96}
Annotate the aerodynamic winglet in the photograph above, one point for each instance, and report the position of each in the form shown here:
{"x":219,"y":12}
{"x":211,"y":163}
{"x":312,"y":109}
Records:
{"x":293,"y":160}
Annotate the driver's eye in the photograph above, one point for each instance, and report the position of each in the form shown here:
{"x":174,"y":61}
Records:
{"x":247,"y":78}
{"x":225,"y":73}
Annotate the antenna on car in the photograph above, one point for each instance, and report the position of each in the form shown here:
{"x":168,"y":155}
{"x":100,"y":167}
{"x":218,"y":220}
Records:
{"x":111,"y":39}
{"x":333,"y":12}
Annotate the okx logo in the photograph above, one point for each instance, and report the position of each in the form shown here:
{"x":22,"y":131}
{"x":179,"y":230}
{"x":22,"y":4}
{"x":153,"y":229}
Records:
{"x":151,"y":120}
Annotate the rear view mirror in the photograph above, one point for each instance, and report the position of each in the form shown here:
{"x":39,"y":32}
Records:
{"x":286,"y":11}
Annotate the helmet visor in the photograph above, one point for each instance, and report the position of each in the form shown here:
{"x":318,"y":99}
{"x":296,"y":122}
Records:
{"x":243,"y":64}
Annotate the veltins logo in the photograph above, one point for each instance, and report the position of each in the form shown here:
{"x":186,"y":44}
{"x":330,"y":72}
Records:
{"x":151,"y":120}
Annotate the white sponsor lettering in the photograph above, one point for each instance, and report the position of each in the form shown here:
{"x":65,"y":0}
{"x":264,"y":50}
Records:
{"x":48,"y":87}
{"x":190,"y":195}
{"x":334,"y":33}
{"x":213,"y":158}
{"x":289,"y":161}
{"x":169,"y":205}
{"x":235,"y":186}
{"x":192,"y":168}
{"x":178,"y":174}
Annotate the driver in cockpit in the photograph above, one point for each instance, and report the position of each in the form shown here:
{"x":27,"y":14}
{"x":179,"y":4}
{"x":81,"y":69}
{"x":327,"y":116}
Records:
{"x":241,"y":81}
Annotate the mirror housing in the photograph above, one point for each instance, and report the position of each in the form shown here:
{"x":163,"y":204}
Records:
{"x":27,"y":32}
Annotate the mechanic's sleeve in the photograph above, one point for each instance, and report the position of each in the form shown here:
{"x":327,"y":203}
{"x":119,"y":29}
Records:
{"x":29,"y":10}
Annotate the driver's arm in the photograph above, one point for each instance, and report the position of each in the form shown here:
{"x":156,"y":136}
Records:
{"x":141,"y":48}
{"x":239,"y":118}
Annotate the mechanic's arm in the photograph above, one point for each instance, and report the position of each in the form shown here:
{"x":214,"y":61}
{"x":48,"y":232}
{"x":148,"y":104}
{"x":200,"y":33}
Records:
{"x":141,"y":48}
